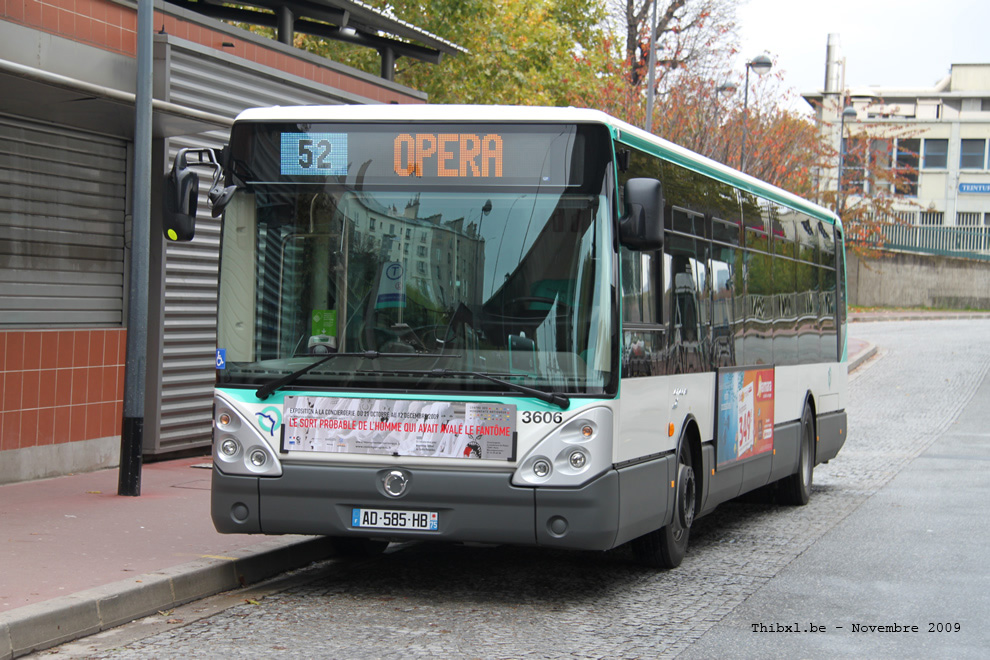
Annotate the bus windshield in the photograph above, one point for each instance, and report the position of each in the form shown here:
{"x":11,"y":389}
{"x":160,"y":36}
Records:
{"x":414,"y":278}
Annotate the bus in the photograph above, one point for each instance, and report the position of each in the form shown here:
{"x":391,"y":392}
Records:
{"x":508,"y":325}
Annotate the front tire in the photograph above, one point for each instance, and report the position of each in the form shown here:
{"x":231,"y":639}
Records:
{"x":796,"y":489}
{"x":666,"y":547}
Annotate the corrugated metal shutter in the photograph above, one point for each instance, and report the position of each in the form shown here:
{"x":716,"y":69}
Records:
{"x":62,"y":207}
{"x":199,"y":80}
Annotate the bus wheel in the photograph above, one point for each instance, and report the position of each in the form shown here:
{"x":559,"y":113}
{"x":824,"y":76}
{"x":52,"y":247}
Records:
{"x":355,"y":547}
{"x":796,"y":489}
{"x":665,"y":547}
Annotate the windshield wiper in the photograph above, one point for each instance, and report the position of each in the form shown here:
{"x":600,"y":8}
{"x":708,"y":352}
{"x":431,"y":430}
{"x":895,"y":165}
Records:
{"x":550,"y":397}
{"x":266,"y":390}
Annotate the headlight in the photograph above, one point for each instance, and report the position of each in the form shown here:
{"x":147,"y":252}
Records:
{"x":577,"y":459}
{"x":571,"y":455}
{"x":239,"y":448}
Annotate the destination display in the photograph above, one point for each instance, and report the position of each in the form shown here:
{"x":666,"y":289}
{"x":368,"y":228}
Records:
{"x":449,"y":154}
{"x":395,"y":427}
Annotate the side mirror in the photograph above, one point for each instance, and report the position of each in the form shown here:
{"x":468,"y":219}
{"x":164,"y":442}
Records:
{"x":180,"y":200}
{"x":641,"y":228}
{"x":182,"y":193}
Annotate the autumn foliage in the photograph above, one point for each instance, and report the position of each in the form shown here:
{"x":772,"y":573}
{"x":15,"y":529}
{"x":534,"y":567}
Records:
{"x":595,"y":54}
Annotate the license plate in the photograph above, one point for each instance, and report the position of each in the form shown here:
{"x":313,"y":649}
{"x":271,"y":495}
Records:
{"x":388,"y":519}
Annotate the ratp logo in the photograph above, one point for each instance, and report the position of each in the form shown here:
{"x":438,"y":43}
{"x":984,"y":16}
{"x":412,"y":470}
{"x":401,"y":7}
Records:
{"x":269,"y":419}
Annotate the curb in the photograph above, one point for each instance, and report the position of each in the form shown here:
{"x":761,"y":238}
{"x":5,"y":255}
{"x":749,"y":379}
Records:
{"x":909,"y":316}
{"x":861,"y":357}
{"x":44,"y":625}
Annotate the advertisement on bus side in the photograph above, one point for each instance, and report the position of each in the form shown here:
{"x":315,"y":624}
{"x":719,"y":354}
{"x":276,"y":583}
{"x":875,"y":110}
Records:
{"x":745,"y":414}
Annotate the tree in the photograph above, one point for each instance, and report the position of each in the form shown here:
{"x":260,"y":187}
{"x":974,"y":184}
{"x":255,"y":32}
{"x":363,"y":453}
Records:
{"x":588,"y":53}
{"x":689,"y":34}
{"x":520,"y":51}
{"x":879,"y":175}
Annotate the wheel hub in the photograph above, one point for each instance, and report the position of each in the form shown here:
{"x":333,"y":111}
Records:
{"x":685,"y":496}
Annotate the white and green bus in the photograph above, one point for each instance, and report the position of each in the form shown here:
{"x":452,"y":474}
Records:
{"x":536,"y":326}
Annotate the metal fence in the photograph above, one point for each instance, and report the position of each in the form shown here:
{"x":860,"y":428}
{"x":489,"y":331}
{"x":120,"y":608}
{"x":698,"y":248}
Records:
{"x":970,"y":241}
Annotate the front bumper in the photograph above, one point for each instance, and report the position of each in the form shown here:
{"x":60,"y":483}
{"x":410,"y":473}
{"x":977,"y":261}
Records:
{"x":473,"y":506}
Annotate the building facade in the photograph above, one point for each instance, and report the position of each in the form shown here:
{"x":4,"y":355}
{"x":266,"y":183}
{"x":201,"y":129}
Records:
{"x":937,"y":139}
{"x":68,"y":80}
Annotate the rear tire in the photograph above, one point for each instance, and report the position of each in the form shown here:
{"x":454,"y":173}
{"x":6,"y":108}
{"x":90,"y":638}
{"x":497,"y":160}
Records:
{"x":666,"y":547}
{"x":796,"y":489}
{"x":356,"y":547}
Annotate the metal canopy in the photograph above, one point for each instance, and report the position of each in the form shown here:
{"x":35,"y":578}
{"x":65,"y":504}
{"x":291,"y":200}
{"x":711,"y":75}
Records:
{"x":47,"y":96}
{"x":350,"y":21}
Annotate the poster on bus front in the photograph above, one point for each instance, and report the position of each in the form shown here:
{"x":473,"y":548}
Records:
{"x":396,"y":427}
{"x":744,"y":423}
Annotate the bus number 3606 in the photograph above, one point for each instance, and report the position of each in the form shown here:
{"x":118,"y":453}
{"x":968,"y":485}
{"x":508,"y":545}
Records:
{"x":529,"y":417}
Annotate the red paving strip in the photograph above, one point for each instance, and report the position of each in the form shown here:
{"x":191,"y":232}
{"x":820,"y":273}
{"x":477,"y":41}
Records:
{"x":66,"y":534}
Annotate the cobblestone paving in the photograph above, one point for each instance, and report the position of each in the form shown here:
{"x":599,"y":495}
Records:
{"x":452,"y":601}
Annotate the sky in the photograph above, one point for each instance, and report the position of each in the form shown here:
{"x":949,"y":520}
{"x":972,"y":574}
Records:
{"x":890,"y":43}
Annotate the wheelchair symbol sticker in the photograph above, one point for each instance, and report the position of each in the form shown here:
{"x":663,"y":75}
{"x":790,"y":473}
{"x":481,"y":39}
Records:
{"x":221,"y":358}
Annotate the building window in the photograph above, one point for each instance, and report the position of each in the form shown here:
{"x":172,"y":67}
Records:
{"x":421,"y":251}
{"x":971,"y":156}
{"x":881,"y":159}
{"x":853,"y":156}
{"x":931,"y":218}
{"x":372,"y":224}
{"x":936,"y":154}
{"x":906,"y":166}
{"x":968,"y":219}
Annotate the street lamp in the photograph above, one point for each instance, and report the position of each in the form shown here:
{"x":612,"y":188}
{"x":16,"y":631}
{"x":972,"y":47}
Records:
{"x":728,"y":88}
{"x":651,"y":74}
{"x":760,"y":65}
{"x":849,"y":113}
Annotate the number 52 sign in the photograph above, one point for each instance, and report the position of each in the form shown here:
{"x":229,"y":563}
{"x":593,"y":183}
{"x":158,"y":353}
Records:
{"x":314,"y":154}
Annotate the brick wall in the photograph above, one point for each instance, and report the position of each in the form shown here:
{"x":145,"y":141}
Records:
{"x":113,"y":27}
{"x":60,"y":386}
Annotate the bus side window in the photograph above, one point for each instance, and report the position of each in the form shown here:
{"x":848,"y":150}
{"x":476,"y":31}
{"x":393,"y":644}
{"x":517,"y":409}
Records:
{"x":642,"y":337}
{"x":829,"y":303}
{"x":807,"y":287}
{"x":686,"y":275}
{"x":758,"y":274}
{"x":782,"y":230}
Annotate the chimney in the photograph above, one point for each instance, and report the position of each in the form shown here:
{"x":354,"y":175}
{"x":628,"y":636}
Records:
{"x":833,"y":62}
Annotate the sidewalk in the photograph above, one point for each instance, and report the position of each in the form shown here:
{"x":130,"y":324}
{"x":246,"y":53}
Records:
{"x":77,"y":558}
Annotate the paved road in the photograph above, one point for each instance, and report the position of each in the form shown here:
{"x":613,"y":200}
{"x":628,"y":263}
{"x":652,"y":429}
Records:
{"x":915,"y":554}
{"x":896,"y":533}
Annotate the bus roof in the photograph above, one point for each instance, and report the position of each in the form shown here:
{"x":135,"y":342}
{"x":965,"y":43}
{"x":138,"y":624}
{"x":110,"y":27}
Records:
{"x":621,"y":131}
